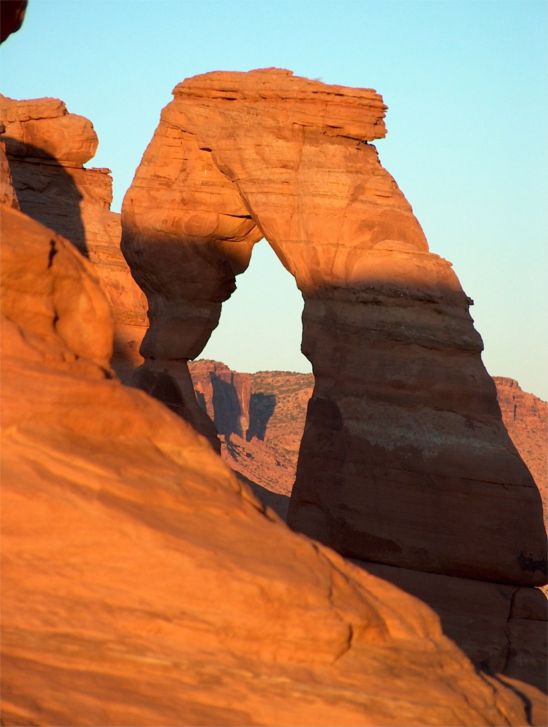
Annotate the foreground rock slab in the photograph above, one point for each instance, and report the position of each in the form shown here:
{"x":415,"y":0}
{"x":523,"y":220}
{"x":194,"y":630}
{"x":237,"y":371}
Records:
{"x":143,"y":584}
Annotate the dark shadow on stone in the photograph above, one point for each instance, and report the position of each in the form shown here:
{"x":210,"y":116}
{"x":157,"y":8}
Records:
{"x":226,"y":407}
{"x":261,"y":408}
{"x":12,"y":14}
{"x":274,"y":500}
{"x":162,"y":387}
{"x":527,"y":706}
{"x":46,"y":191}
{"x":200,"y":398}
{"x":476,"y":615}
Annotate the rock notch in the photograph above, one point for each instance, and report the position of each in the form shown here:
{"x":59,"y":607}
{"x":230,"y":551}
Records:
{"x":405,"y":459}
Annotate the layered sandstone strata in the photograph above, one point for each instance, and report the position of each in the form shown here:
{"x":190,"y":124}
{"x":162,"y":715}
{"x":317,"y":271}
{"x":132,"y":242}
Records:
{"x":142,"y":584}
{"x":501,"y":628}
{"x":46,"y":149}
{"x":405,"y":459}
{"x":265,"y":418}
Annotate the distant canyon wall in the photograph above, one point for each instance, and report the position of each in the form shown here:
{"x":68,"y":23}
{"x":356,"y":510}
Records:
{"x":263,"y":414}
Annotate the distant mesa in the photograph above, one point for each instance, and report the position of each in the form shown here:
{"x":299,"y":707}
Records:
{"x":274,"y":411}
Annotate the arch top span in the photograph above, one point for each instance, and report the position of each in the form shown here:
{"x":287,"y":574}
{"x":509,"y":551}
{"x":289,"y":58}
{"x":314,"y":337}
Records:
{"x":403,"y":409}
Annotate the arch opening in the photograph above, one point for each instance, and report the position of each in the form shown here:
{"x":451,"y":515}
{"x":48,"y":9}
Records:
{"x":252,"y":380}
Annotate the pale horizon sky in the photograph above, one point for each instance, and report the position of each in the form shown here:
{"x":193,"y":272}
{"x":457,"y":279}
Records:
{"x":467,"y":91}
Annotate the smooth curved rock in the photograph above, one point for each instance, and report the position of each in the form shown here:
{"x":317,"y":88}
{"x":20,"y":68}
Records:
{"x":405,"y":459}
{"x":143,"y":585}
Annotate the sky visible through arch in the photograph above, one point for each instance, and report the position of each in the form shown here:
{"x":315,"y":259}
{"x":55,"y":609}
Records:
{"x":466,"y":86}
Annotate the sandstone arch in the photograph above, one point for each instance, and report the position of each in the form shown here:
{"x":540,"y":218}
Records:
{"x":404,"y":459}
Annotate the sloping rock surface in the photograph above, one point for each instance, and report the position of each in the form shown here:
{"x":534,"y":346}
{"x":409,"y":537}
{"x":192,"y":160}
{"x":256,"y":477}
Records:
{"x":501,"y":628}
{"x":143,"y":584}
{"x":403,"y":410}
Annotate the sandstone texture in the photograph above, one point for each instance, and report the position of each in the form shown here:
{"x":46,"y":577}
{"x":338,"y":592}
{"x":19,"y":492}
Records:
{"x":144,"y":585}
{"x":501,"y":628}
{"x":46,"y":148}
{"x":525,"y":416}
{"x":265,"y":448}
{"x":405,"y":459}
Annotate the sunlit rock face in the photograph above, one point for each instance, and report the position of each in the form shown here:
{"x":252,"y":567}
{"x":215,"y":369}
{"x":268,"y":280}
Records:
{"x":404,"y":459}
{"x":46,"y":149}
{"x":142,"y":584}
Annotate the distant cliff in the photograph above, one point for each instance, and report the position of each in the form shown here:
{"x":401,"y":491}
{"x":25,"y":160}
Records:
{"x":260,"y":419}
{"x":525,"y":417}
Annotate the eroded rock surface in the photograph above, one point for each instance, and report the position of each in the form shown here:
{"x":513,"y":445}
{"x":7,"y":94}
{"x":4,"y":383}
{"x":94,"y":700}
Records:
{"x":403,"y":411}
{"x":143,"y":584}
{"x":501,"y":628}
{"x":46,"y":149}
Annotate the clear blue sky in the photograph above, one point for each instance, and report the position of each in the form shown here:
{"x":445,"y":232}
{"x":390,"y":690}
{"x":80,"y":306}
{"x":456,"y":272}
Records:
{"x":467,"y":91}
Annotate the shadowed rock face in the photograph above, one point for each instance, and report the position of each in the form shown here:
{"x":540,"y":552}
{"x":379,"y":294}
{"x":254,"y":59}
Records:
{"x":501,"y":628}
{"x":143,"y":585}
{"x":404,"y":458}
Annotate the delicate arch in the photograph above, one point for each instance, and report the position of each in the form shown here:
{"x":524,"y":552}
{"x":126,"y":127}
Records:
{"x":404,"y":436}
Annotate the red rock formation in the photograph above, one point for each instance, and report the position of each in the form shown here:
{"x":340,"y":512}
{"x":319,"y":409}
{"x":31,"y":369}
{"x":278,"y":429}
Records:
{"x":46,"y":148}
{"x":259,"y":418}
{"x":12,"y":14}
{"x":525,"y":416}
{"x":403,"y":410}
{"x":225,"y":396}
{"x":266,"y":450}
{"x":500,"y":628}
{"x":142,"y":584}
